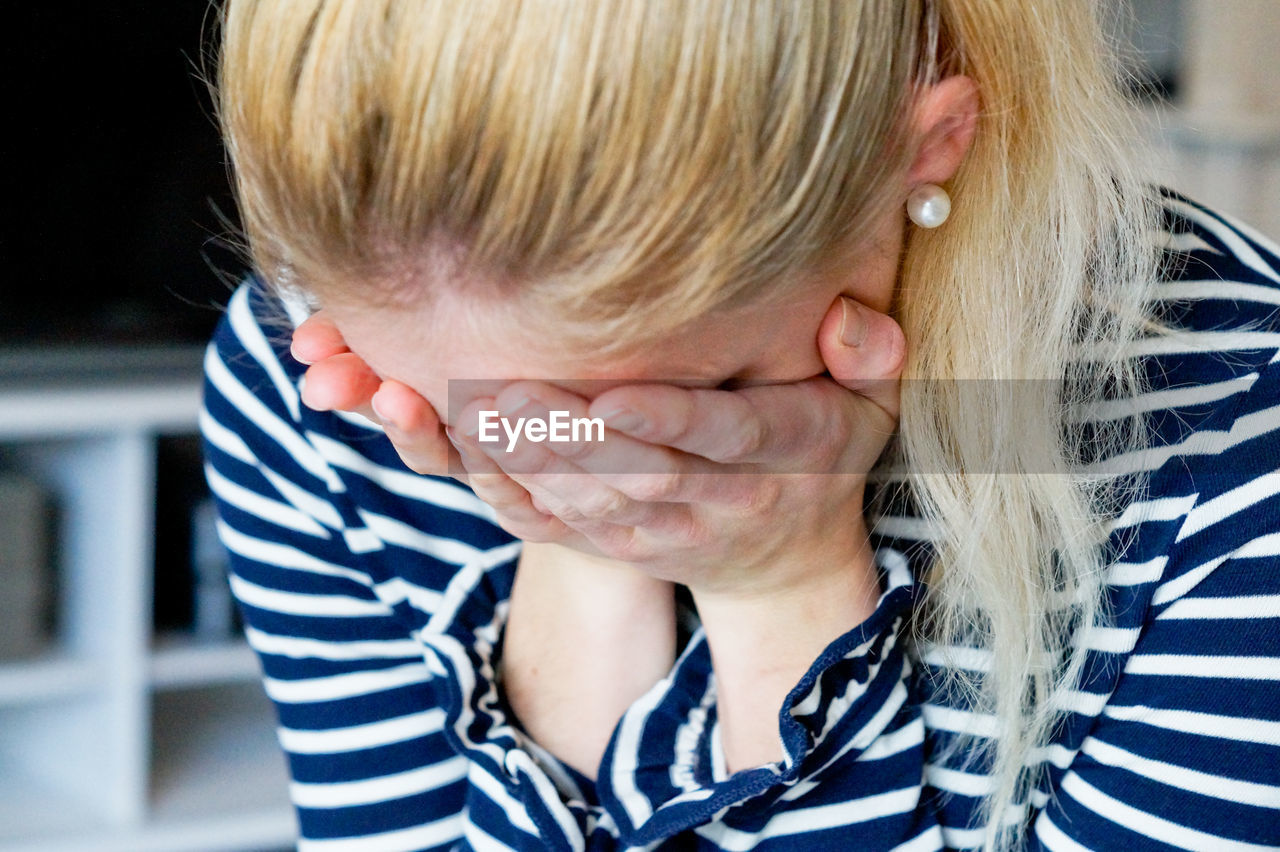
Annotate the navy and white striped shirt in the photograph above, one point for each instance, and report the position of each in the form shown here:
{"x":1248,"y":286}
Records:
{"x":376,"y":599}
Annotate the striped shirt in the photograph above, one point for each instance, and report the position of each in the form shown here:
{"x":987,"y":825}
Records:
{"x":376,"y":598}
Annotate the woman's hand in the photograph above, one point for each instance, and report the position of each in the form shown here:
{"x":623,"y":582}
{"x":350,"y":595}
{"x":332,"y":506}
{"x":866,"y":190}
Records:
{"x":666,"y":491}
{"x":339,"y":379}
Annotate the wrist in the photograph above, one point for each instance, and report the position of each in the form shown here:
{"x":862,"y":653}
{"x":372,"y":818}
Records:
{"x":585,"y":638}
{"x":763,"y":641}
{"x":611,"y":598}
{"x":785,"y":628}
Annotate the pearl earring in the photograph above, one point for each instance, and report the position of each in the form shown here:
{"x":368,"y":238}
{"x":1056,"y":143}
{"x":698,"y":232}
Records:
{"x":928,"y":205}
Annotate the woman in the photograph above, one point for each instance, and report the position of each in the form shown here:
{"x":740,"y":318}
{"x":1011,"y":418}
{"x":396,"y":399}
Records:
{"x":689,"y":221}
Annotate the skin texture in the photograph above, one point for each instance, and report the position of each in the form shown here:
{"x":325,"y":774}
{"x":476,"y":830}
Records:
{"x":593,"y":589}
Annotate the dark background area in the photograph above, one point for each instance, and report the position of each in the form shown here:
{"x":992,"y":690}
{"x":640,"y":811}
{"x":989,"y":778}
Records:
{"x":114,"y":176}
{"x":115,"y":180}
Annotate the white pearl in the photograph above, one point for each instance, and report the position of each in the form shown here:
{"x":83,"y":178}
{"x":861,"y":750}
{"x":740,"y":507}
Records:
{"x":928,"y":205}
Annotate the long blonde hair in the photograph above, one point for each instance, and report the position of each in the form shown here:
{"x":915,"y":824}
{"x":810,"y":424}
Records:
{"x":632,"y":165}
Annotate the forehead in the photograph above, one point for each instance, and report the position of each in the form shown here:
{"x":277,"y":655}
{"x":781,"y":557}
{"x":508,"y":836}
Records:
{"x":472,"y":339}
{"x":477,"y":339}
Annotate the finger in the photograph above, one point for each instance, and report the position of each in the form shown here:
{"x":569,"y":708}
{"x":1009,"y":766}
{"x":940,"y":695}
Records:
{"x":343,"y":382}
{"x":583,"y":440}
{"x":527,"y":516}
{"x":864,"y":351}
{"x":648,"y":473}
{"x":317,"y":338}
{"x":516,"y":512}
{"x":497,"y":429}
{"x":762,"y":425}
{"x":689,"y":420}
{"x":414,"y":429}
{"x":606,"y":519}
{"x":798,"y":427}
{"x":514,"y":506}
{"x":586,"y":503}
{"x":557,"y":483}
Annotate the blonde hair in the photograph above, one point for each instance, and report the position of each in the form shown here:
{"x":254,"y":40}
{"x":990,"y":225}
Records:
{"x":635,"y":164}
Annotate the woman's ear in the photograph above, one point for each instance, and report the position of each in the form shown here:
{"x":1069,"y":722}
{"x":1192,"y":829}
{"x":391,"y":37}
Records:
{"x":946,"y":117}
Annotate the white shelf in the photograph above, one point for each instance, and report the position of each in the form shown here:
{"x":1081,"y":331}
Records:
{"x":223,"y":792}
{"x":75,"y":392}
{"x":215,"y":752}
{"x":48,"y":677}
{"x":180,"y":661}
{"x":165,"y":407}
{"x":54,"y":828}
{"x":112,"y":740}
{"x":32,"y":811}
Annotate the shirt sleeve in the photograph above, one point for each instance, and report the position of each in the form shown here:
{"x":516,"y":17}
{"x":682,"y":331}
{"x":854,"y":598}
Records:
{"x":374,"y":598}
{"x":1186,"y":751}
{"x":852,"y":740}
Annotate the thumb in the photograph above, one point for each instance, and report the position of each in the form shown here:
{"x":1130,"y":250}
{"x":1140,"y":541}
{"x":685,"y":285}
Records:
{"x":864,"y":351}
{"x":317,"y":338}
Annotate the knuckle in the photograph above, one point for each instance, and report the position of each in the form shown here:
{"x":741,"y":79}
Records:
{"x":557,"y":506}
{"x":604,"y":504}
{"x":529,"y":462}
{"x":573,"y":450}
{"x":533,"y":531}
{"x":830,"y":435}
{"x":824,"y":453}
{"x":572,"y":515}
{"x":684,"y":526}
{"x":494,"y":489}
{"x":673,"y":416}
{"x":625,"y":544}
{"x":654,"y":487}
{"x":745,"y":440}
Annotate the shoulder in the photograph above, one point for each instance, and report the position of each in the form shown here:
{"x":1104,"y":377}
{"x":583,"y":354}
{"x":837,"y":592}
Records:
{"x":1218,"y":296}
{"x":253,"y":385}
{"x":1217,"y":274}
{"x":1210,"y":369}
{"x":260,"y":437}
{"x":1213,"y":407}
{"x":251,"y":346}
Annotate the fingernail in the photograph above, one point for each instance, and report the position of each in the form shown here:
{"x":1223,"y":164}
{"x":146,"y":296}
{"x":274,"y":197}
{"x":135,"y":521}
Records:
{"x":853,"y":326}
{"x":294,"y":353}
{"x":386,"y":421}
{"x":304,"y":392}
{"x":516,"y":406}
{"x":623,"y":420}
{"x":457,"y":442}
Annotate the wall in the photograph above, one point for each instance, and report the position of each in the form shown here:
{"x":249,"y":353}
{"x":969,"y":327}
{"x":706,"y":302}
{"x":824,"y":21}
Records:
{"x":1219,"y":140}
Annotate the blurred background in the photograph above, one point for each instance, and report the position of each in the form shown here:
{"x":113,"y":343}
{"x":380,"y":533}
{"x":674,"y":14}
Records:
{"x":131,"y":717}
{"x":115,"y":176}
